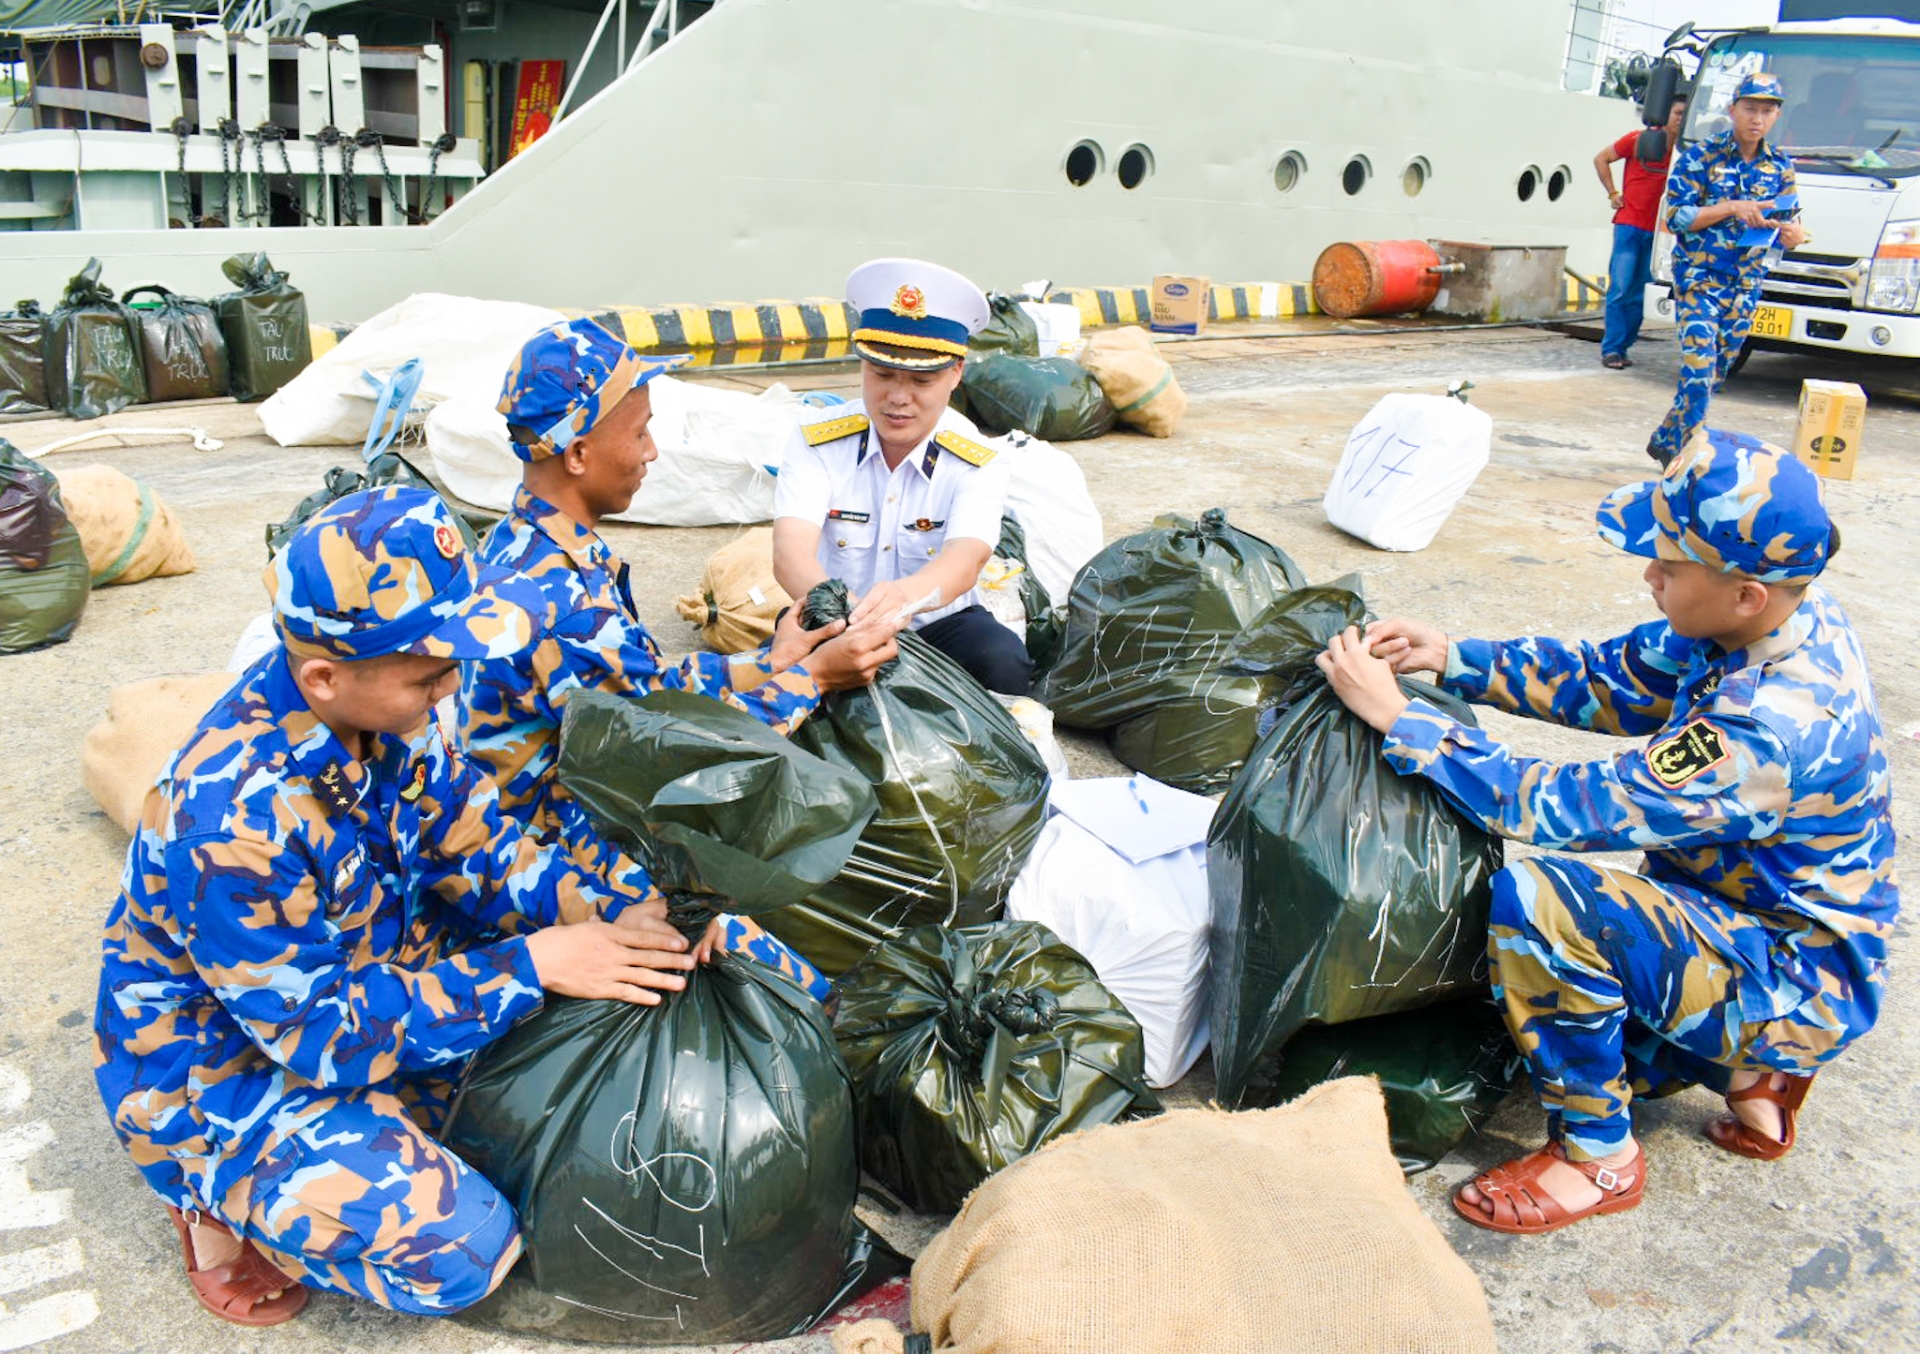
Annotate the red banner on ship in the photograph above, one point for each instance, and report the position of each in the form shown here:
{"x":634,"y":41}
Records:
{"x":535,"y":101}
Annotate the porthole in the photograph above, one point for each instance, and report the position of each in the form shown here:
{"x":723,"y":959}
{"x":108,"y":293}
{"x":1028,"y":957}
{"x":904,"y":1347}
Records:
{"x":1084,"y":163}
{"x":1529,"y":183}
{"x":1354,"y":177}
{"x":1414,"y":177}
{"x":1557,"y":183}
{"x":1136,"y":166}
{"x":1288,"y":170}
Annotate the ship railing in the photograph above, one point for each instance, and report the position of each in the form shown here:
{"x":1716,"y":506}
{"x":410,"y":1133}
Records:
{"x":662,"y":26}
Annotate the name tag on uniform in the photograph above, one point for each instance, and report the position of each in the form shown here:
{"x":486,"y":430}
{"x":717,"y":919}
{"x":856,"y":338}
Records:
{"x":348,"y":871}
{"x":842,"y":515}
{"x":925,"y":524}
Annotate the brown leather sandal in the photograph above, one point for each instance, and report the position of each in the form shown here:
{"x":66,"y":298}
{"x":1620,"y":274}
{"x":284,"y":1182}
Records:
{"x":1731,"y":1134}
{"x":237,"y":1291}
{"x":1514,"y":1201}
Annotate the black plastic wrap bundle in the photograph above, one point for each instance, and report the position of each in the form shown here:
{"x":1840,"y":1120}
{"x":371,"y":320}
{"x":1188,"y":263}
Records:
{"x":684,"y":1173}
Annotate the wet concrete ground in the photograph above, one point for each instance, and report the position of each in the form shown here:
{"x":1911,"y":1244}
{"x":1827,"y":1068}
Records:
{"x":1815,"y":1252}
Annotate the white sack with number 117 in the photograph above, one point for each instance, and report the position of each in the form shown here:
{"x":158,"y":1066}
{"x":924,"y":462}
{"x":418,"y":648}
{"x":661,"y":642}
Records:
{"x":1407,"y":463}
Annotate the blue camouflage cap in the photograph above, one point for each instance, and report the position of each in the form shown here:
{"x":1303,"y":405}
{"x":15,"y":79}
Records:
{"x":385,"y":571}
{"x":1760,"y":85}
{"x":565,"y":379}
{"x":1731,"y":502}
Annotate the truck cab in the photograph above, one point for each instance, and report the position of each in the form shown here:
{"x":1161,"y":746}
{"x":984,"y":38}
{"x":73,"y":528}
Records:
{"x":1851,"y":122}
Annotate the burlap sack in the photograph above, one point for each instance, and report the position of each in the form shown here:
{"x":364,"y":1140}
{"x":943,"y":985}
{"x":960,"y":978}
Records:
{"x":146,"y":723}
{"x":128,"y":532}
{"x":1136,"y":378}
{"x":1201,"y":1231}
{"x":738,"y":598}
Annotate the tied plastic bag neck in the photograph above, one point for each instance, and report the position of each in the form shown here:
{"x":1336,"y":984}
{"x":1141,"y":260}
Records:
{"x":84,"y":288}
{"x":972,"y":1048}
{"x":253,"y":273}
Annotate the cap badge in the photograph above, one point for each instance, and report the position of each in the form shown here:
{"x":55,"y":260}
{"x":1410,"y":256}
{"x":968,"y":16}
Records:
{"x":445,"y":541}
{"x":910,"y":301}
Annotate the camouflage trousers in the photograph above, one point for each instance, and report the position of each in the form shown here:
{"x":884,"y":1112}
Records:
{"x":359,"y":1198}
{"x":1616,"y":986}
{"x":1714,"y":314}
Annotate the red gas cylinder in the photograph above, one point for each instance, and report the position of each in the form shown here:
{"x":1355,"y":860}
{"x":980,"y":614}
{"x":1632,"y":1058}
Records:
{"x":1375,"y":277}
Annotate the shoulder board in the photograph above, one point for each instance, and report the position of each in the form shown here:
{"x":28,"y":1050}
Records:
{"x":965,"y":448}
{"x":833,"y":429}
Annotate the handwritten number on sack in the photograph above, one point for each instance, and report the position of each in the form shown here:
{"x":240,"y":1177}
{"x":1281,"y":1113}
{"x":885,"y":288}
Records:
{"x":1372,"y":460}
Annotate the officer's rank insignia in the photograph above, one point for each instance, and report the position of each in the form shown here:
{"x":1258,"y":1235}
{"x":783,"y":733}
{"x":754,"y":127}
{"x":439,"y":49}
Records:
{"x":965,"y":448}
{"x":1697,"y":748}
{"x":330,"y":787}
{"x":833,"y":429}
{"x":859,"y":519}
{"x":925,"y":524}
{"x":1712,"y":683}
{"x":417,"y":786}
{"x":910,"y":301}
{"x":445,"y":541}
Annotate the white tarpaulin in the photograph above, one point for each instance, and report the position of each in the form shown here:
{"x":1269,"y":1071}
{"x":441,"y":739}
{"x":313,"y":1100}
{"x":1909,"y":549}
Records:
{"x":1120,"y":874}
{"x":1049,"y":498}
{"x":1406,"y":465}
{"x":464,"y":344}
{"x":719,"y":454}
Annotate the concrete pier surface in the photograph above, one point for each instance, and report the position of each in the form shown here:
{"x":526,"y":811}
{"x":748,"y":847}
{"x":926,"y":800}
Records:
{"x":1819,"y":1251}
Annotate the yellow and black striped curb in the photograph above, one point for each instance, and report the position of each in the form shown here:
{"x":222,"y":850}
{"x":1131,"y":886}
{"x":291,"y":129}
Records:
{"x":817,"y":326}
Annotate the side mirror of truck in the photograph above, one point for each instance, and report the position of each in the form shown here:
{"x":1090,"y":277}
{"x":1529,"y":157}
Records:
{"x":1651,"y":148}
{"x":1663,"y":83}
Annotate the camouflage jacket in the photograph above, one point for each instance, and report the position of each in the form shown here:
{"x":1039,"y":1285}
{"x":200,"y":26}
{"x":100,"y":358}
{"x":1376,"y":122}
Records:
{"x":587,"y":636}
{"x":292,"y":920}
{"x":1765,"y":781}
{"x":1710,"y":172}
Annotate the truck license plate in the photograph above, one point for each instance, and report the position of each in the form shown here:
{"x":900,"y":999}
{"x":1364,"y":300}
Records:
{"x":1772,"y":322}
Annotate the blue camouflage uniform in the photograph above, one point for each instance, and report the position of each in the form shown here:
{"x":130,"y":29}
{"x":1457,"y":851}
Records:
{"x":587,"y":634}
{"x":1755,"y":936}
{"x":1716,"y":272}
{"x":307,"y":945}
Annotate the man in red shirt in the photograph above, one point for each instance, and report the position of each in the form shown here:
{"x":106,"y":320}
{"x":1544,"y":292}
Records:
{"x":1635,"y":204}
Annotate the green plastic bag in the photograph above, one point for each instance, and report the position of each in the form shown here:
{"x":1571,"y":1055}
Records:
{"x":683,"y":1173}
{"x":44,"y":579}
{"x":962,"y":797}
{"x":1054,"y":398}
{"x":181,"y":349}
{"x":1153,"y":616}
{"x":265,"y":326}
{"x":973,"y":1048}
{"x":1046,"y":623}
{"x":1199,"y":741}
{"x":1340,"y":889}
{"x":1445,"y":1070}
{"x":92,"y":350}
{"x":388,"y":468}
{"x":23,"y":361}
{"x":1009,"y":329}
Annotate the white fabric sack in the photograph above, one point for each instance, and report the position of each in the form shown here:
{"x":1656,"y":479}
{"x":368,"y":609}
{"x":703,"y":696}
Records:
{"x":1048,"y":496}
{"x":465,"y":344}
{"x":1407,"y":463}
{"x":256,"y":641}
{"x":1120,"y":873}
{"x":719,"y":454}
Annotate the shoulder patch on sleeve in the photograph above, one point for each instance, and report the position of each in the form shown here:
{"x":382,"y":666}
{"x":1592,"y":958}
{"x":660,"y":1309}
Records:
{"x":965,"y":448}
{"x":833,"y":429}
{"x":1697,"y":748}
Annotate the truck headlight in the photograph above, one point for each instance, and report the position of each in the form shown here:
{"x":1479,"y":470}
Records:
{"x":1893,"y":283}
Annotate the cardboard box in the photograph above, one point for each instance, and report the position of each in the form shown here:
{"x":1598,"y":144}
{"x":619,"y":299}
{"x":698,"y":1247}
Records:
{"x":1180,"y":304}
{"x":1833,"y":415}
